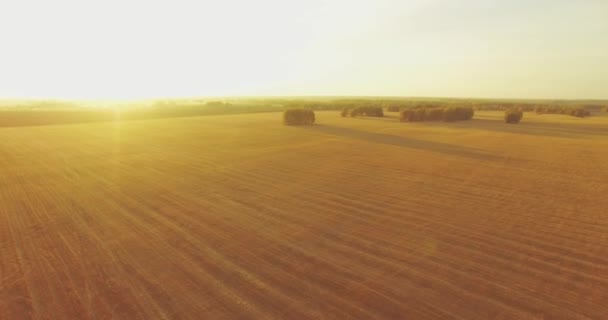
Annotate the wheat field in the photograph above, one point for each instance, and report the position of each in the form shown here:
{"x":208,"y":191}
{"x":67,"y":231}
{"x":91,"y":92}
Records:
{"x":240,"y":217}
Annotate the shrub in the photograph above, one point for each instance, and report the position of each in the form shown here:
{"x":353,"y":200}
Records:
{"x":433,"y":114}
{"x":295,"y":117}
{"x":412,"y":115}
{"x":466,"y":113}
{"x":539,"y":109}
{"x":449,"y":114}
{"x":458,"y":113}
{"x":420,"y":114}
{"x":345,"y":112}
{"x":367,"y":111}
{"x":407,"y":115}
{"x":502,"y":106}
{"x":374,"y":112}
{"x":526,"y":107}
{"x":513,"y":116}
{"x":578,"y":112}
{"x":392,"y":109}
{"x":567,"y":110}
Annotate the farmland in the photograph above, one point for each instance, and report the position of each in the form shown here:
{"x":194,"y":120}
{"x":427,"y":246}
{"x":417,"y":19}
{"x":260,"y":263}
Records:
{"x":241,"y":217}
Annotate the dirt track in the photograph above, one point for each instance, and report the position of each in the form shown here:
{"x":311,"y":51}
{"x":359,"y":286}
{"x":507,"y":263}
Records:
{"x":226,"y":217}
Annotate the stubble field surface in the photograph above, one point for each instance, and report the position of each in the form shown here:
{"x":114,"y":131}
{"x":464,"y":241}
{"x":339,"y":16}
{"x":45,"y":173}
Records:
{"x":240,"y":217}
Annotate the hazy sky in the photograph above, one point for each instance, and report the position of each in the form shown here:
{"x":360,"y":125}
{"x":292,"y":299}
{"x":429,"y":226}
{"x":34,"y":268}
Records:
{"x":459,"y":48}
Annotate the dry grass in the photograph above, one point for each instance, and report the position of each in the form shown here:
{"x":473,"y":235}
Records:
{"x":226,"y":217}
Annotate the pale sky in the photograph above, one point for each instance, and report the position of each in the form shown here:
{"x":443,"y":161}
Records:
{"x":131,"y":49}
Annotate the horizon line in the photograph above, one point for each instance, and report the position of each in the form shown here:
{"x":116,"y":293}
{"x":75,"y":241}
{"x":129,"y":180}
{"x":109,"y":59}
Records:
{"x":206,"y":97}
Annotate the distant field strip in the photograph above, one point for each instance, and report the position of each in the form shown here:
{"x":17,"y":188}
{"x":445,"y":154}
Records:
{"x":240,"y":217}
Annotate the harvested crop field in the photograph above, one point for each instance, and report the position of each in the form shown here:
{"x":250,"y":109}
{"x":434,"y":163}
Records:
{"x":240,"y":217}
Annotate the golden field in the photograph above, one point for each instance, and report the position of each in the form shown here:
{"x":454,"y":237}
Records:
{"x":240,"y":217}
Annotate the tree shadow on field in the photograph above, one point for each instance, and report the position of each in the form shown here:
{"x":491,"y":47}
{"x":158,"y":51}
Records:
{"x":404,"y":142}
{"x":386,"y":117}
{"x":561,"y":130}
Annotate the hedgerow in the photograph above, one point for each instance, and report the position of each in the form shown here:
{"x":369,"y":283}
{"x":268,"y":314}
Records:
{"x":437,"y":114}
{"x":580,"y":112}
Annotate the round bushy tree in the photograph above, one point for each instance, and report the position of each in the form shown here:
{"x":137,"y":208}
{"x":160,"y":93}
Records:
{"x":295,"y":117}
{"x":513,"y":116}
